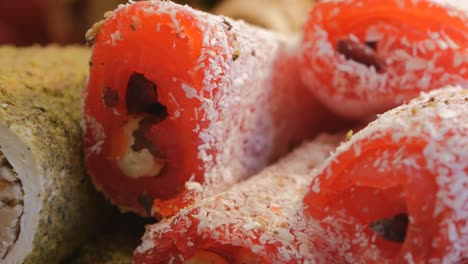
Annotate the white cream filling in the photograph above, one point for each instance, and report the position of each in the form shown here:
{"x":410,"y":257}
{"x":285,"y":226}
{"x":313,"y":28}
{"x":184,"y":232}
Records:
{"x":137,"y":164}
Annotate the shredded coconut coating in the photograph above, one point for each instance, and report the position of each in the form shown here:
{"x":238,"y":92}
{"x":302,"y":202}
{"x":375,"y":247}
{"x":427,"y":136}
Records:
{"x":263,"y":214}
{"x":250,"y":103}
{"x":418,"y":53}
{"x":438,"y":122}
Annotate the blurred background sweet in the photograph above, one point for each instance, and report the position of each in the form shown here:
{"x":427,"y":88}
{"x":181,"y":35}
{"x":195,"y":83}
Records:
{"x":279,"y":15}
{"x":23,"y":22}
{"x":28,"y":22}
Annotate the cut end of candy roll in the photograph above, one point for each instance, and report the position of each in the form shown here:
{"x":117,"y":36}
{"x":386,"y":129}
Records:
{"x":182,"y":104}
{"x":130,"y":126}
{"x":394,"y":191}
{"x":376,"y":207}
{"x":364,"y":57}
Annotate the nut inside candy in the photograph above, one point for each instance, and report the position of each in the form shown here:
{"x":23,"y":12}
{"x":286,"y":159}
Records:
{"x":142,"y":97}
{"x":392,"y":229}
{"x":361,"y":53}
{"x":141,"y":158}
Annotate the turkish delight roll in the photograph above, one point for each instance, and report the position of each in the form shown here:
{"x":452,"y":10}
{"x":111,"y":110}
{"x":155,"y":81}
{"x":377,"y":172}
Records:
{"x":181,"y":102}
{"x":260,"y":220}
{"x":363,"y":57}
{"x":397,"y":191}
{"x":47,"y":202}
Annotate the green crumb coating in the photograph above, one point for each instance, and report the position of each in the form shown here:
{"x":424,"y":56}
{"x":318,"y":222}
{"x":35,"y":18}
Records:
{"x":40,"y":102}
{"x":115,"y":245}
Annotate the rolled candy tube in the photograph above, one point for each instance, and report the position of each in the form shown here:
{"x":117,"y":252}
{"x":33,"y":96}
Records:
{"x":179,"y":96}
{"x":396,"y":192}
{"x":47,"y":205}
{"x":259,"y":220}
{"x":365,"y":57}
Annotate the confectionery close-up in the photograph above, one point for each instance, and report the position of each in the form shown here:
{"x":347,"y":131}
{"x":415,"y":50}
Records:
{"x":233,"y":131}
